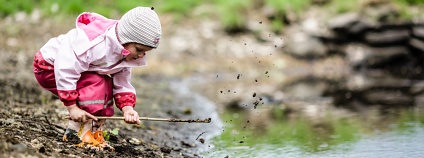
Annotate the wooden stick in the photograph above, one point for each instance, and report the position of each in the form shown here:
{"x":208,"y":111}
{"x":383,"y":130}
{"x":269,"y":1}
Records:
{"x":208,"y":120}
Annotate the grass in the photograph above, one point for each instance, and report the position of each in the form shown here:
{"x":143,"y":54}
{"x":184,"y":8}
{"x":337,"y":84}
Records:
{"x":404,"y":10}
{"x":412,"y":1}
{"x":343,"y":6}
{"x":182,"y":7}
{"x":9,"y":7}
{"x":54,"y":7}
{"x":233,"y":14}
{"x":282,"y":6}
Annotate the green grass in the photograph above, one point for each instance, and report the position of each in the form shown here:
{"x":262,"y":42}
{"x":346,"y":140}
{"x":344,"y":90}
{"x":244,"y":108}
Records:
{"x":233,"y":14}
{"x":404,"y":10}
{"x":282,"y":6}
{"x":343,"y":6}
{"x":10,"y":7}
{"x":277,"y":25}
{"x":411,"y":1}
{"x":180,"y":6}
{"x":73,"y":7}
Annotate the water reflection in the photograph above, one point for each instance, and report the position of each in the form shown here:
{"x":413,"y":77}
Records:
{"x":321,"y":118}
{"x":299,"y":136}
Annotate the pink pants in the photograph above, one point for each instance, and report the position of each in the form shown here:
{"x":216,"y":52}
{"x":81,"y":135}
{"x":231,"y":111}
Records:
{"x":95,"y":90}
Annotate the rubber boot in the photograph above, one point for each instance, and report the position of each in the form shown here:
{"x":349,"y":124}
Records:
{"x":84,"y":133}
{"x":97,"y":129}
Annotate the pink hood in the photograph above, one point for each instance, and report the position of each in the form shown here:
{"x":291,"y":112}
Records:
{"x":93,"y":24}
{"x":90,"y":31}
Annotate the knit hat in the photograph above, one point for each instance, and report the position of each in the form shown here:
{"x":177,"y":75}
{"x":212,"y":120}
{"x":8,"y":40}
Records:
{"x":140,"y":25}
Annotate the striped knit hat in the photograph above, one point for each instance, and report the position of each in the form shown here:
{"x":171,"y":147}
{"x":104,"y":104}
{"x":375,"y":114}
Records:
{"x":140,"y":25}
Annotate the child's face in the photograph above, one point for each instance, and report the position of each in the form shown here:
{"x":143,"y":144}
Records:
{"x":136,"y":51}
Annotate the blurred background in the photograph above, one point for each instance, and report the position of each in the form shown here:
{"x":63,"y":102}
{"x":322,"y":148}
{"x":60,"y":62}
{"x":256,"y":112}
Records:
{"x":280,"y":78}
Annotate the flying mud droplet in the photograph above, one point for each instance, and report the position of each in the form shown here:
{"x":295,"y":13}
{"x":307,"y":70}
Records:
{"x":238,"y":76}
{"x":266,"y":72}
{"x":254,"y":94}
{"x":260,"y":22}
{"x":256,"y":103}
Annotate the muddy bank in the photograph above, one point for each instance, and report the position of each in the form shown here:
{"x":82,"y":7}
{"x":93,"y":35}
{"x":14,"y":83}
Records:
{"x":32,"y":120}
{"x":32,"y":123}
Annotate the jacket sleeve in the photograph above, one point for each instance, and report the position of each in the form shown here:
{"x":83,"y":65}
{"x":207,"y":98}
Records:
{"x":68,"y":68}
{"x":123,"y":92}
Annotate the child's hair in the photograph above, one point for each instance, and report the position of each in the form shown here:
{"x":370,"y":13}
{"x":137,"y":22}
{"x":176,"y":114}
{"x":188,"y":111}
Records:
{"x":140,"y":25}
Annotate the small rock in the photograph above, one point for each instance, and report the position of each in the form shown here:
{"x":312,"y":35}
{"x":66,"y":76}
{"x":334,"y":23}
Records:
{"x":135,"y":141}
{"x":154,"y":146}
{"x":35,"y":141}
{"x":165,"y":149}
{"x":42,"y":149}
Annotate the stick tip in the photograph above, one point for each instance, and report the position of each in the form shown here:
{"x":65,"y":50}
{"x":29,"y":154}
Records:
{"x":208,"y":120}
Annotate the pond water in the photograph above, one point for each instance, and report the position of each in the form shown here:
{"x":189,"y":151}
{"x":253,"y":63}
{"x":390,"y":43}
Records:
{"x":316,"y":127}
{"x":400,"y":135}
{"x":362,"y":114}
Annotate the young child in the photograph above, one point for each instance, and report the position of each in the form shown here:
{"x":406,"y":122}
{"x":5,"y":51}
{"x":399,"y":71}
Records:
{"x":89,"y":68}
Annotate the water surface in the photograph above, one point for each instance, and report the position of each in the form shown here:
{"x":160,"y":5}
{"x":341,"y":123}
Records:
{"x":401,"y":135}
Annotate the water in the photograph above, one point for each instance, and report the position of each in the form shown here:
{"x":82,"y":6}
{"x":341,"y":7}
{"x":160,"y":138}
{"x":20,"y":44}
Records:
{"x":369,"y":117}
{"x":402,"y":136}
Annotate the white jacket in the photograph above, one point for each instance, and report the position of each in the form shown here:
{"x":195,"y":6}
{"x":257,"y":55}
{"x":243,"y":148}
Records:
{"x":91,"y":46}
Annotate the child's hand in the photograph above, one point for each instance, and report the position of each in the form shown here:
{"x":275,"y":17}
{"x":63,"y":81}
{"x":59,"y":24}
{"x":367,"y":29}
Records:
{"x":130,"y":115}
{"x":79,"y":115}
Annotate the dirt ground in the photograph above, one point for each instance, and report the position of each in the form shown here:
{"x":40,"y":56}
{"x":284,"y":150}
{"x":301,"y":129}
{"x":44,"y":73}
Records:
{"x":31,"y":128}
{"x":32,"y":124}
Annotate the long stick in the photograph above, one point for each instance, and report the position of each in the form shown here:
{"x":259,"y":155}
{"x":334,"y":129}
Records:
{"x":208,"y":120}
